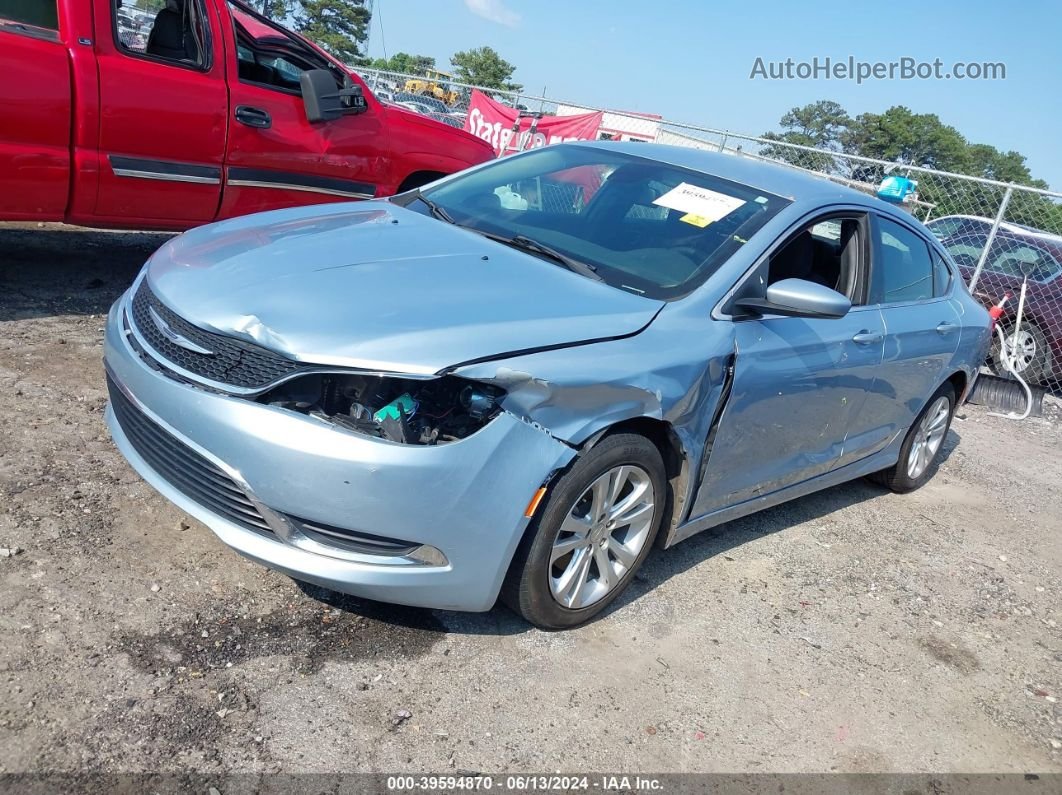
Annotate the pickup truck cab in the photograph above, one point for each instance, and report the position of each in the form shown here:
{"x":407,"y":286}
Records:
{"x":167,"y":114}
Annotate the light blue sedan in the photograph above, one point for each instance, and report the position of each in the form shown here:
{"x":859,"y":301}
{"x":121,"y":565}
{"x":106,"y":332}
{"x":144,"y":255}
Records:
{"x":516,"y":380}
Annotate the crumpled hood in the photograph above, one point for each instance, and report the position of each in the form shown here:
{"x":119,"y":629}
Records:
{"x":376,"y":286}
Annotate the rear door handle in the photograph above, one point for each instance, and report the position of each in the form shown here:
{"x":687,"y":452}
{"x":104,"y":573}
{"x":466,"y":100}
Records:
{"x":946,"y":328}
{"x":253,"y":117}
{"x":868,"y":337}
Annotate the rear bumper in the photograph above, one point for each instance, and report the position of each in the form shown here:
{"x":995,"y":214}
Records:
{"x":465,"y":499}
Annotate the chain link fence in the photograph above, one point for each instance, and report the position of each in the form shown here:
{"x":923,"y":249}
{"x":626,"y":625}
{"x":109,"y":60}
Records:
{"x":1005,"y":238}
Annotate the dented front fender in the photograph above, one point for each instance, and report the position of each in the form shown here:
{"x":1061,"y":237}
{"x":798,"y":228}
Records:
{"x":673,"y":372}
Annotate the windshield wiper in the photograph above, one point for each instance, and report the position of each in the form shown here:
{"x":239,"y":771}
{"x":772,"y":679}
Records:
{"x":436,"y":210}
{"x":534,"y":247}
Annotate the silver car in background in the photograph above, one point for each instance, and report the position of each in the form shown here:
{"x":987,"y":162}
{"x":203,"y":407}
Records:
{"x":517,"y":380}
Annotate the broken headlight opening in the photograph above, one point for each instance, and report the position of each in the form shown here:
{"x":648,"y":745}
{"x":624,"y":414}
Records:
{"x":406,"y":410}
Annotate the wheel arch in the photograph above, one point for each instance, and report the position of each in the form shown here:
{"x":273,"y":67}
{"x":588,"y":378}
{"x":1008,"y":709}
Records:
{"x":419,"y":178}
{"x":676,"y":460}
{"x":959,"y":380}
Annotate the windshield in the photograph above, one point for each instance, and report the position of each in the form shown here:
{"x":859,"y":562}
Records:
{"x":643,"y":226}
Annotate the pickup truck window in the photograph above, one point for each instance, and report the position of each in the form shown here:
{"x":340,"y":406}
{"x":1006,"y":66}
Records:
{"x":175,"y":33}
{"x":41,"y":14}
{"x":270,"y":56}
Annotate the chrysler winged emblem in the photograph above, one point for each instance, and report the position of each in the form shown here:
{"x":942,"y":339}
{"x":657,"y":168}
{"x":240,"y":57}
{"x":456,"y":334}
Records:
{"x":174,"y":337}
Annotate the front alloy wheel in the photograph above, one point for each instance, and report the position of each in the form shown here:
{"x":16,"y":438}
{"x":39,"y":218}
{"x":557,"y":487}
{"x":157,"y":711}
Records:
{"x":590,"y":534}
{"x":602,"y":536}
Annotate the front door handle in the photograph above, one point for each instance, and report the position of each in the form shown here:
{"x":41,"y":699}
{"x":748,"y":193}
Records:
{"x":253,"y":117}
{"x":865,"y":337}
{"x":946,"y":328}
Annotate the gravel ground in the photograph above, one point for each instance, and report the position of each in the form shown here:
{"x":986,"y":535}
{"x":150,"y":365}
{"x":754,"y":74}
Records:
{"x":853,"y":630}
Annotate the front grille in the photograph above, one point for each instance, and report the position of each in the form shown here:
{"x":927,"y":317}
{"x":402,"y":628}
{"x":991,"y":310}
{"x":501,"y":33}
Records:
{"x":231,"y":361}
{"x":184,"y":468}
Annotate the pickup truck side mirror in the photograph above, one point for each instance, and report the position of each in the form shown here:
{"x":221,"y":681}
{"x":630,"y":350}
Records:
{"x":323,"y":101}
{"x":797,"y":298}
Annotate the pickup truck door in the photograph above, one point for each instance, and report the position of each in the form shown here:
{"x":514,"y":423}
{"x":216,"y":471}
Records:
{"x":275,"y":157}
{"x":164,"y":107}
{"x":35,"y":131}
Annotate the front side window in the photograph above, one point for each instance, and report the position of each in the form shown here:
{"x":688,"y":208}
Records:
{"x":268,"y":55}
{"x":903,"y":270}
{"x":167,"y":30}
{"x":827,"y":252}
{"x":643,"y":226}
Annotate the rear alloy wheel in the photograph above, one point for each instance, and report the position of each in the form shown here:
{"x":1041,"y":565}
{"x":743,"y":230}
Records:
{"x":920,"y":451}
{"x":592,"y":533}
{"x":1029,"y":349}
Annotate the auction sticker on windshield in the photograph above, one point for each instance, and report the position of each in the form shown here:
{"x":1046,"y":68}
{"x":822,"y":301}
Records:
{"x":700,"y":205}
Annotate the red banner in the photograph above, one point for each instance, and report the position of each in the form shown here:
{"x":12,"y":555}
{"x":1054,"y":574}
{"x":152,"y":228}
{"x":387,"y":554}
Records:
{"x":504,"y":129}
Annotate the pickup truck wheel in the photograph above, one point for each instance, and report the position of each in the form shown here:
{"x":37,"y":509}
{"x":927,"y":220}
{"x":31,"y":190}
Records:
{"x":590,"y":535}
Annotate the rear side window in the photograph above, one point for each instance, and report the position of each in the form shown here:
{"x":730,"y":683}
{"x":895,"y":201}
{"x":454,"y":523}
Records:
{"x":38,"y":13}
{"x":941,"y":275}
{"x":903,"y":270}
{"x":174,"y":31}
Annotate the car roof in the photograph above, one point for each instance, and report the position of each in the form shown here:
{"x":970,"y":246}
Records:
{"x":801,"y":187}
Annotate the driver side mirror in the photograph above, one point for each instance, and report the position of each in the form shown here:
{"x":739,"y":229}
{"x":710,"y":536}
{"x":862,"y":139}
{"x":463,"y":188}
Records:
{"x":324,"y":101}
{"x":797,"y":298}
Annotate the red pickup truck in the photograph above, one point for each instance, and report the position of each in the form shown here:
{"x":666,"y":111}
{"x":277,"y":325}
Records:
{"x":166,"y":114}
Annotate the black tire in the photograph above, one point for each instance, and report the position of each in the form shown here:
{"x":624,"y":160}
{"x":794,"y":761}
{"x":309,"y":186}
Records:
{"x":526,"y":589}
{"x":1035,"y":371}
{"x":897,"y":477}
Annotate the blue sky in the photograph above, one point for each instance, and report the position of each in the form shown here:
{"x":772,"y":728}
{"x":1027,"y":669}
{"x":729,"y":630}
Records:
{"x":690,"y":60}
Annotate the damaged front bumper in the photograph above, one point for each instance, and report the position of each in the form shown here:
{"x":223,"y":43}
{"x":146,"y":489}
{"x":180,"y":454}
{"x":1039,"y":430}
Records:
{"x":432,"y":526}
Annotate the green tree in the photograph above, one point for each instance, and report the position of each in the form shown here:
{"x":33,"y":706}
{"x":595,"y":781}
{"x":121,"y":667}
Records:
{"x":986,"y":161}
{"x":902,"y":136}
{"x":484,"y":67}
{"x":818,"y":124}
{"x":983,"y":160}
{"x":276,"y":9}
{"x":404,"y":63}
{"x":339,"y":26}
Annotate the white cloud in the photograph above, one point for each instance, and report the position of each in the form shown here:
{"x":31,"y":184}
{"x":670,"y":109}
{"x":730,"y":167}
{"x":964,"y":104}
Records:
{"x":495,"y":11}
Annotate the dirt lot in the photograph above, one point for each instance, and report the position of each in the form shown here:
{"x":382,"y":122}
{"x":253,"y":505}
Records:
{"x":853,"y":630}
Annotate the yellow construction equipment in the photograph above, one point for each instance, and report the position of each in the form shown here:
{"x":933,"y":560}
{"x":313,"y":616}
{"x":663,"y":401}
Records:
{"x":434,"y":84}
